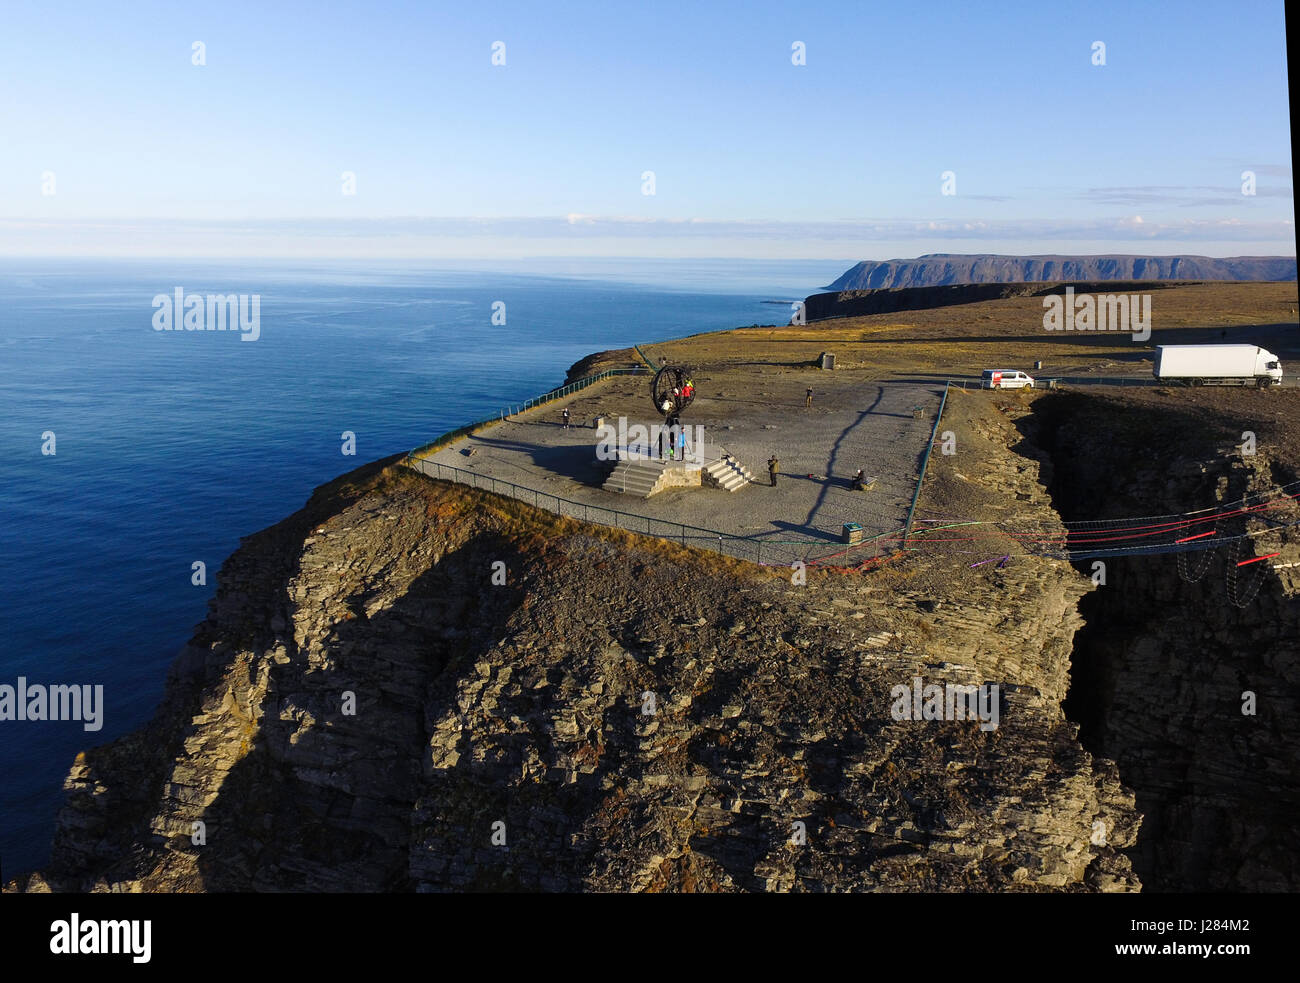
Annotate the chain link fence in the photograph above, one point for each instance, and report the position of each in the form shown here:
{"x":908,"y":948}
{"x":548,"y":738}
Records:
{"x":827,"y":550}
{"x":516,"y":408}
{"x":755,"y":550}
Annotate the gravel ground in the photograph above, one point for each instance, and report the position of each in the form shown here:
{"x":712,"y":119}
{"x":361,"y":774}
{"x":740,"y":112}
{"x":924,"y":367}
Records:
{"x":856,"y":421}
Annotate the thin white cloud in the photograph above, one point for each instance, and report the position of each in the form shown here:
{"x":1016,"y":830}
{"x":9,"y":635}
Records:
{"x":1182,"y":195}
{"x":578,"y":234}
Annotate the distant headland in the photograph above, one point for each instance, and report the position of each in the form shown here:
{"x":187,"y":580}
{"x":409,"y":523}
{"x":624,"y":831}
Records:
{"x":943,"y":269}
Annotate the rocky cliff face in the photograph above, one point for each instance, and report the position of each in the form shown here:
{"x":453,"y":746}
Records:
{"x":891,"y":300}
{"x":938,"y":269}
{"x":1173,"y":646}
{"x":369,"y":707}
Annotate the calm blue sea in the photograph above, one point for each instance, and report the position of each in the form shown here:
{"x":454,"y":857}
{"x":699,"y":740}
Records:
{"x":169,"y":446}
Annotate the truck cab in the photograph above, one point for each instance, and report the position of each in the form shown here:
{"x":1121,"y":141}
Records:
{"x":1273,"y":368}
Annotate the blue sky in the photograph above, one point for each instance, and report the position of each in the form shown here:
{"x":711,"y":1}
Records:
{"x":752,"y":155}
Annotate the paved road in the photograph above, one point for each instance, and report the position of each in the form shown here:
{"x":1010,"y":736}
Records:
{"x":1142,"y":379}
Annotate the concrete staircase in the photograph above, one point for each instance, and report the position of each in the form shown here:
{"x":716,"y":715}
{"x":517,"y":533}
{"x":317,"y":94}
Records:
{"x":727,"y":474}
{"x":643,"y":478}
{"x":639,"y":478}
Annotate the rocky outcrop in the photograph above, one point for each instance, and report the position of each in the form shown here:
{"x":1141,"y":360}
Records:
{"x":414,"y":686}
{"x":939,"y":269}
{"x":1188,"y":672}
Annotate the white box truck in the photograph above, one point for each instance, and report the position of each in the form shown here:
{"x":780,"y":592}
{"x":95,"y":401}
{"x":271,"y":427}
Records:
{"x":1217,"y":365}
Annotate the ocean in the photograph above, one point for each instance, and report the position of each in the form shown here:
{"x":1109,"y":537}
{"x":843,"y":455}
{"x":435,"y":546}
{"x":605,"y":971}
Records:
{"x":168,"y":446}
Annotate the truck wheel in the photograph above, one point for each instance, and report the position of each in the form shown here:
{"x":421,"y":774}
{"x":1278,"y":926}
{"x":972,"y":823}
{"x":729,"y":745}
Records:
{"x":1198,"y":382}
{"x":1261,"y":383}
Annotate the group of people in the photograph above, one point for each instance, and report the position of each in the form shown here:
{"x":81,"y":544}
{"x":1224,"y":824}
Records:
{"x":859,"y":482}
{"x":674,"y":435}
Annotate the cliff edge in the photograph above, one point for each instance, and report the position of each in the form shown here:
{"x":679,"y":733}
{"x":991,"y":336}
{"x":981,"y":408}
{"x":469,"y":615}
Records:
{"x":413,"y":686}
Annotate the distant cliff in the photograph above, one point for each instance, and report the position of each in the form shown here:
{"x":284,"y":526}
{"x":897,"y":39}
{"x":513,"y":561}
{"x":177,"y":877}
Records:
{"x":891,"y":300}
{"x":941,"y":269}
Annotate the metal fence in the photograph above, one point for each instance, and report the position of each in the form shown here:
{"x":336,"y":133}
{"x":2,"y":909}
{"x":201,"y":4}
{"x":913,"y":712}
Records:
{"x":755,"y":550}
{"x":573,"y":387}
{"x":1097,"y":380}
{"x":1050,"y":382}
{"x":825,"y":551}
{"x":517,"y":408}
{"x":925,"y":462}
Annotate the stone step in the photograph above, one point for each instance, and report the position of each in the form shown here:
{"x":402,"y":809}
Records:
{"x":728,"y":474}
{"x":632,"y":473}
{"x":635,"y":478}
{"x":639,"y":491}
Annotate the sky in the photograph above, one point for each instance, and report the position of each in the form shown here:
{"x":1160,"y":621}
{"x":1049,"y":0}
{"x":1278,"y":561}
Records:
{"x":118,"y":136}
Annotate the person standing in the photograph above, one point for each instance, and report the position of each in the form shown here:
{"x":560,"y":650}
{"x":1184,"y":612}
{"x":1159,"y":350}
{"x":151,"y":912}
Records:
{"x":807,"y":400}
{"x":772,"y":465}
{"x":566,"y":418}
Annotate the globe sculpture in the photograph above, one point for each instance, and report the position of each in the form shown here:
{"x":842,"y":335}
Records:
{"x":672,"y":389}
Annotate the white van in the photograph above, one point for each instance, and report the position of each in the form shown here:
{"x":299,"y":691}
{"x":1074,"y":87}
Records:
{"x":1005,"y":379}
